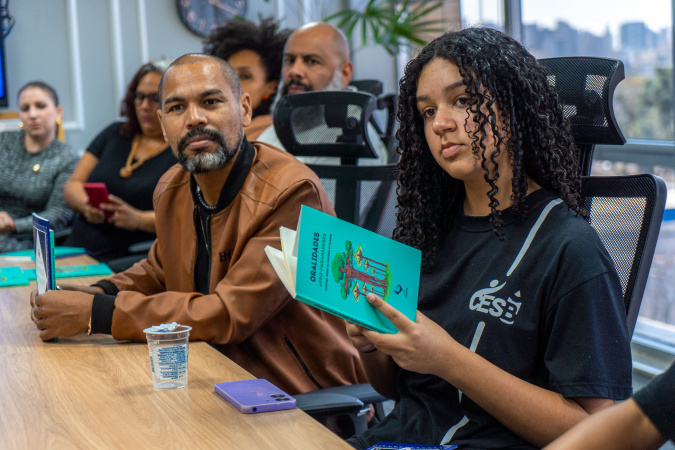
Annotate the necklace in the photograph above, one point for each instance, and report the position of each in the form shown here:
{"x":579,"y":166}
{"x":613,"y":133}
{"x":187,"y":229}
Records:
{"x":202,"y":202}
{"x":128,"y":169}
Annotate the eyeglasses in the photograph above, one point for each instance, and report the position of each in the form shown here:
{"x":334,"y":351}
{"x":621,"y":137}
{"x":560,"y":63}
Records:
{"x":139,"y":97}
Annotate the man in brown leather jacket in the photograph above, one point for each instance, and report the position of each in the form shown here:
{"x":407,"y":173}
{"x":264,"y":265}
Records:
{"x":215,"y":212}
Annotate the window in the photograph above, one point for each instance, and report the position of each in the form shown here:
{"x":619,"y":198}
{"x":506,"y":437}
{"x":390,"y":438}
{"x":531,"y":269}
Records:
{"x":639,"y":36}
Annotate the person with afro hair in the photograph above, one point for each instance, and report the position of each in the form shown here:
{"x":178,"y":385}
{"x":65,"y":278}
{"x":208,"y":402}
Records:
{"x":256,"y":53}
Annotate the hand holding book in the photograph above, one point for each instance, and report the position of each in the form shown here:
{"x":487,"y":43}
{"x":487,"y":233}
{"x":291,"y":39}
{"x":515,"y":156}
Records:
{"x":413,"y":347}
{"x":332,"y":265}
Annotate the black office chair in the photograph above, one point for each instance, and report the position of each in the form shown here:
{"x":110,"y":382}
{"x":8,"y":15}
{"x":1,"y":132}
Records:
{"x":333,"y":124}
{"x":387,"y":103}
{"x":135,"y":253}
{"x":585,"y":88}
{"x":626,"y":211}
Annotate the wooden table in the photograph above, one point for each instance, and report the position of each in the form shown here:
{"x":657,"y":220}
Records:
{"x":95,"y":392}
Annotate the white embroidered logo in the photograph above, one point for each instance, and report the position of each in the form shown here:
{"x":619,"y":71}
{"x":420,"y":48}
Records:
{"x":484,"y":301}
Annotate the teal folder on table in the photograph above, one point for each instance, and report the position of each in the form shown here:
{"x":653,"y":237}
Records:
{"x":15,"y":276}
{"x":29,"y":255}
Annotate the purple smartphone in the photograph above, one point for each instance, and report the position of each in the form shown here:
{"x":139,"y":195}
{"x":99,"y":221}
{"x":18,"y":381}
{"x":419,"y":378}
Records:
{"x":254,"y":396}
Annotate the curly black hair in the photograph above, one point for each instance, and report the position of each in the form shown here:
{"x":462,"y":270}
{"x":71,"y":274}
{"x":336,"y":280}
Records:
{"x":131,"y":127}
{"x":499,"y":74}
{"x":266,"y":39}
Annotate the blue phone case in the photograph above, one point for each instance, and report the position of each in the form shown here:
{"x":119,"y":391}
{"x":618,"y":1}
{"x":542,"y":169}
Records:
{"x":254,"y":396}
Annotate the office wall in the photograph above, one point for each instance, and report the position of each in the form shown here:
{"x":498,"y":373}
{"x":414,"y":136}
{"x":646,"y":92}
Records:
{"x":89,"y":49}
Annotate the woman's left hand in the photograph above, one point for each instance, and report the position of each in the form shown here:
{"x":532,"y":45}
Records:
{"x":421,"y":346}
{"x":6,"y":223}
{"x":124,"y":215}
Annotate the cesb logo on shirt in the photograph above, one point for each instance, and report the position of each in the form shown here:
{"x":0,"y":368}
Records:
{"x":484,"y":301}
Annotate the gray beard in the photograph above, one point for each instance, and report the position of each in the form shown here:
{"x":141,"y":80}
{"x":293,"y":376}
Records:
{"x":334,"y":85}
{"x":205,"y":162}
{"x":208,"y":162}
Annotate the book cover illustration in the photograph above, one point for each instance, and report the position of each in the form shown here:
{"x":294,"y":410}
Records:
{"x":332,"y":265}
{"x":43,"y":241}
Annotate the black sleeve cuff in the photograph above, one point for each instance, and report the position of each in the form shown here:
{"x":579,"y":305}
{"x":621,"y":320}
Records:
{"x":108,"y":287}
{"x":102,"y":313}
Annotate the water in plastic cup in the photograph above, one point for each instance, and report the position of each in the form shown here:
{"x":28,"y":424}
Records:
{"x":168,"y":347}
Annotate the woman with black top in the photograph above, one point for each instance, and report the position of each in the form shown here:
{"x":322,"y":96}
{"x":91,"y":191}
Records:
{"x":129,"y":157}
{"x":521,"y":330}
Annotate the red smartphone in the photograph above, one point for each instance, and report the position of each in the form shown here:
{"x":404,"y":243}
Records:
{"x":255,"y":396}
{"x":98,"y":193}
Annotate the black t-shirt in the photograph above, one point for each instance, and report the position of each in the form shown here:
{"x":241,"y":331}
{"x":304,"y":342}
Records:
{"x":546,"y":308}
{"x":106,"y":241}
{"x":657,"y":401}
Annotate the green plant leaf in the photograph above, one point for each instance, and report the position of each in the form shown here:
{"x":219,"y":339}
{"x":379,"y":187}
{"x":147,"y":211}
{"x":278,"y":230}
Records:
{"x":390,"y":23}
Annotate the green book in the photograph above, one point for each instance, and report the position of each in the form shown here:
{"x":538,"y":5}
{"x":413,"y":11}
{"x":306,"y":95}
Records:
{"x":332,"y":264}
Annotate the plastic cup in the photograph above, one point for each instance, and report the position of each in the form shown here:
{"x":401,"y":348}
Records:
{"x":168,"y":356}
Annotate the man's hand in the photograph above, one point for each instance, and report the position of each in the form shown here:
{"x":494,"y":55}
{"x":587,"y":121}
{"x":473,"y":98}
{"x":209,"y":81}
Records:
{"x":418,"y":346}
{"x":124,"y":215}
{"x":61,"y":313}
{"x":79,"y":288}
{"x":6,"y":223}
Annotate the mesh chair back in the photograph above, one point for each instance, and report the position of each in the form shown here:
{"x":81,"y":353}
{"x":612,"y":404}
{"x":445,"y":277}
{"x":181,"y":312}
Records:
{"x":326,"y":124}
{"x":585,"y":88}
{"x":626,"y":211}
{"x":333,"y":124}
{"x":385,"y":113}
{"x":363,"y":195}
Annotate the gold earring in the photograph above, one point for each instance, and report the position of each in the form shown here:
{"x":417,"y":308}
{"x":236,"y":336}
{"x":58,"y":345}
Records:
{"x":21,"y":125}
{"x":60,"y":134}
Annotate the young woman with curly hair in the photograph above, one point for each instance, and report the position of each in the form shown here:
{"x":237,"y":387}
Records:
{"x":521,"y":331}
{"x":256,"y":53}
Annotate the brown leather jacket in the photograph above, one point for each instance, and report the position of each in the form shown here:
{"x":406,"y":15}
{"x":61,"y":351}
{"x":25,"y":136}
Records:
{"x":248,"y":314}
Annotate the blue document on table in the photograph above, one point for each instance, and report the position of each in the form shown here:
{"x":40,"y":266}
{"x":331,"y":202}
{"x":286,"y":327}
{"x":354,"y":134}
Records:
{"x":397,"y":446}
{"x":43,"y":241}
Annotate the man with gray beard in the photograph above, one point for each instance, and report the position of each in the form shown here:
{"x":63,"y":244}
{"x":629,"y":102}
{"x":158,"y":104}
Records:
{"x":215,"y":212}
{"x":316,"y":58}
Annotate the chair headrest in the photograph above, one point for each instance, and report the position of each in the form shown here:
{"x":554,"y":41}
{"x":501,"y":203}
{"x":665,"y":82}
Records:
{"x":375,"y":87}
{"x":325,"y":123}
{"x":585,"y":88}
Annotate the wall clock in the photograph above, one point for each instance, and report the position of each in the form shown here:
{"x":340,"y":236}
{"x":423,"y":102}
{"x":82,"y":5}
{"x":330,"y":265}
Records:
{"x":202,"y":16}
